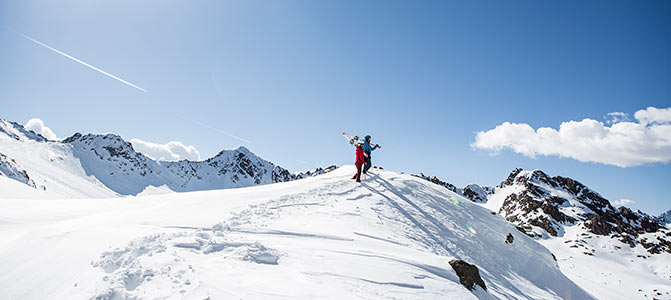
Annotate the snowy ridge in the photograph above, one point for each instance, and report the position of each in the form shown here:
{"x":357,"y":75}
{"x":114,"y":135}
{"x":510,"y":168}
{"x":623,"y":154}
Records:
{"x":114,"y":162}
{"x":315,"y":172}
{"x":104,"y":165}
{"x":229,"y":168}
{"x":52,"y":167}
{"x":325,"y":237}
{"x":437,"y":181}
{"x":17,"y":132}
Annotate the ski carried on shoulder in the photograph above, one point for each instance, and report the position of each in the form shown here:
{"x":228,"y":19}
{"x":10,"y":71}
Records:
{"x":351,"y":139}
{"x":354,"y":139}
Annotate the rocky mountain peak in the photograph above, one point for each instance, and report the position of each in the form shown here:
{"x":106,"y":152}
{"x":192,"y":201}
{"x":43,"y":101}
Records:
{"x":542,"y":205}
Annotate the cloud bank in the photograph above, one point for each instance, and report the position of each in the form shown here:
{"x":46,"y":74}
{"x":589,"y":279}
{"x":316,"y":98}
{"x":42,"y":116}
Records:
{"x":624,"y":143}
{"x":172,"y":151}
{"x":38,"y":127}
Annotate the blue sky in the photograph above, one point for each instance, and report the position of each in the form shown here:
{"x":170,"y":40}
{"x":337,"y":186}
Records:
{"x":289,"y":76}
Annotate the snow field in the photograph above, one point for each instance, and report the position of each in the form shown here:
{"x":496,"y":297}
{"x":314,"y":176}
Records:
{"x":326,"y":237}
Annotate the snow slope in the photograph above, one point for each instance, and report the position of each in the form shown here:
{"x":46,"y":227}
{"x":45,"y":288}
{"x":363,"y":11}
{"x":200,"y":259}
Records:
{"x":53,"y":166}
{"x":323,"y":237}
{"x":17,"y":190}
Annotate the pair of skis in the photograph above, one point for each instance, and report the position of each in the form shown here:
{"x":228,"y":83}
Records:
{"x":353,"y":140}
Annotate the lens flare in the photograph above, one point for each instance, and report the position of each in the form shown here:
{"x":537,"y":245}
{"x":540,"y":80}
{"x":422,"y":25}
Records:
{"x":472,"y":230}
{"x":455,"y":201}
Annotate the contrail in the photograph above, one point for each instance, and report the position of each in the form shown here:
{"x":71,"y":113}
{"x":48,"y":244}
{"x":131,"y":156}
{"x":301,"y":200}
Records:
{"x":79,"y":61}
{"x":216,"y":129}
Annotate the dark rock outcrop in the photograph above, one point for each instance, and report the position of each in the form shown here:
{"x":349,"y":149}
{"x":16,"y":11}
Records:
{"x":10,"y":168}
{"x":468,"y":274}
{"x":477,"y":193}
{"x":437,"y":181}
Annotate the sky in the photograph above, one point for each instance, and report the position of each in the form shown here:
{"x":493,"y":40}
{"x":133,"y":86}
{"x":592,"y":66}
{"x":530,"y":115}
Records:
{"x":456,"y":89}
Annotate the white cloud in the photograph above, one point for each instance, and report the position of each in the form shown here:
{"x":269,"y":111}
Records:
{"x":653,"y":115}
{"x":616,"y":117}
{"x":171,"y":151}
{"x":37,"y":125}
{"x":623,"y":144}
{"x":623,"y":202}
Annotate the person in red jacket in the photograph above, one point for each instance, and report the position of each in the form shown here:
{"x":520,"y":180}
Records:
{"x":358,"y":162}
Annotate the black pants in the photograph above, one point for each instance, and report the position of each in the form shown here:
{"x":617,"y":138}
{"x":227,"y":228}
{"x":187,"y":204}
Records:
{"x":367,"y":165}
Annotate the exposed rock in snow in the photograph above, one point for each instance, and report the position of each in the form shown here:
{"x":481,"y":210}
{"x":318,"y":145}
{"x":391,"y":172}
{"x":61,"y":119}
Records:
{"x":510,"y":239}
{"x":468,"y":274}
{"x":477,"y":193}
{"x":17,"y":132}
{"x":9,"y":168}
{"x":315,"y":172}
{"x":437,"y":181}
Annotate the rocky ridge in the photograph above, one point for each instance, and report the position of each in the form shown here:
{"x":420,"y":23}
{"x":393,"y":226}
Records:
{"x":542,"y":205}
{"x":17,"y":132}
{"x":11,"y":169}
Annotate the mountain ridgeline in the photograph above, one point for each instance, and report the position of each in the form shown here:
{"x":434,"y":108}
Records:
{"x":113,"y":162}
{"x":117,"y":165}
{"x":544,"y":207}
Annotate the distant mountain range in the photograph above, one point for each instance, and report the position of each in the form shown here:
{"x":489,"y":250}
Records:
{"x":101,"y":165}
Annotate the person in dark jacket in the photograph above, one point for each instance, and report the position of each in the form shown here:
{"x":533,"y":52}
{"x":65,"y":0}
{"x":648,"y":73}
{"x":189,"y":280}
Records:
{"x":358,"y":162}
{"x":367,"y":149}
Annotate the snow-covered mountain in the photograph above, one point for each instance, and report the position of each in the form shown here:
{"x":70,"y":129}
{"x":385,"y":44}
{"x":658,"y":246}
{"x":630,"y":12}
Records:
{"x":115,"y":163}
{"x":542,"y":205}
{"x":614,"y":253}
{"x":102,"y":165}
{"x":229,"y":168}
{"x":393,"y":236}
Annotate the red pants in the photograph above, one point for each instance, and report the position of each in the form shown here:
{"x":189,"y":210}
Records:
{"x":358,"y":173}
